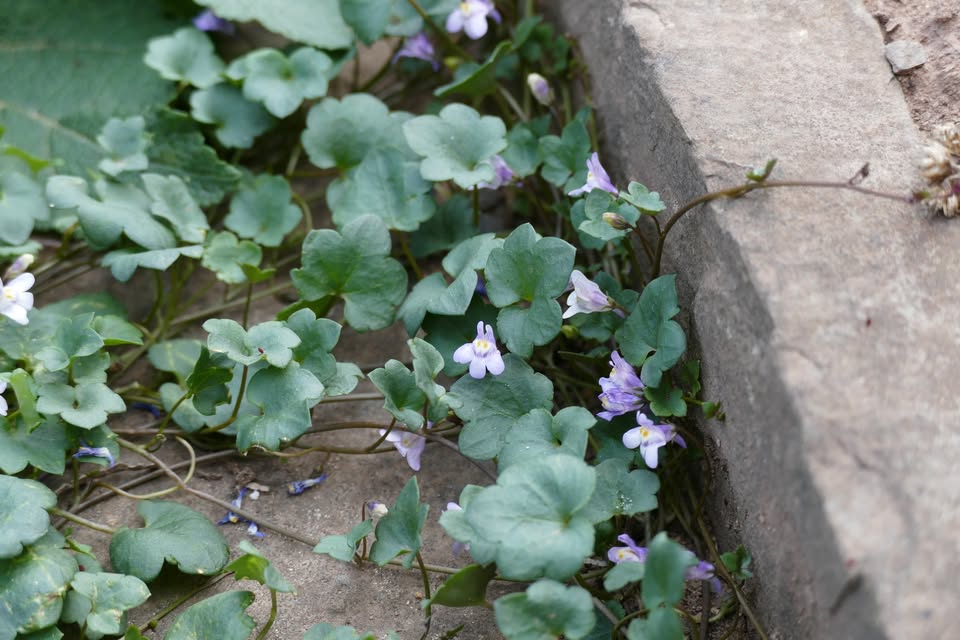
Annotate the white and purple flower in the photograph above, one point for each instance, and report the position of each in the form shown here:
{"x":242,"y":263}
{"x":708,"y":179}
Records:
{"x":586,"y":296}
{"x":597,"y":178}
{"x":297,"y":487}
{"x":409,"y":444}
{"x":622,"y":391}
{"x":650,"y":438}
{"x":630,"y":553}
{"x":471,"y":18}
{"x":93,"y":452}
{"x":419,"y":47}
{"x":15,"y":300}
{"x":377,"y":509}
{"x":482,"y":353}
{"x":502,"y":174}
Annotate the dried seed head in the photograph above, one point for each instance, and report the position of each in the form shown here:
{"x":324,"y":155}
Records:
{"x":949,"y":136}
{"x":937,"y":164}
{"x":946,"y":202}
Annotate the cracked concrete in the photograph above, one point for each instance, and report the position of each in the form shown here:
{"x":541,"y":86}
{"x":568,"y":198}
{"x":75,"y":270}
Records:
{"x":826,"y":319}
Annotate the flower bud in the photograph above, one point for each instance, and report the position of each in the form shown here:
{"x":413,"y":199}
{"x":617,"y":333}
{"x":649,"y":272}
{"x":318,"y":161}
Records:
{"x":616,"y":220}
{"x":540,"y":89}
{"x":19,"y":265}
{"x":377,"y":509}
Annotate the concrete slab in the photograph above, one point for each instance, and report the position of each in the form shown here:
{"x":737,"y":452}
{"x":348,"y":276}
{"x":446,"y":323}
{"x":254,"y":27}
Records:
{"x":826,"y":320}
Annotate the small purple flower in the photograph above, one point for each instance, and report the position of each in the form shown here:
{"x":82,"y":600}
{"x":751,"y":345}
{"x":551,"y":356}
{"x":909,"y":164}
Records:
{"x":586,"y":296}
{"x":502,"y":174}
{"x":15,"y":301}
{"x":629,"y":553}
{"x":482,"y":353}
{"x":650,"y":437}
{"x":231,"y":517}
{"x":297,"y":487}
{"x":481,"y":287}
{"x":540,"y":89}
{"x":84,"y":451}
{"x":254,"y":530}
{"x":420,"y":47}
{"x":146,"y":406}
{"x":622,"y":391}
{"x":409,"y":444}
{"x":597,"y":178}
{"x":207,"y":20}
{"x":471,"y":18}
{"x":19,"y":266}
{"x":458,"y":547}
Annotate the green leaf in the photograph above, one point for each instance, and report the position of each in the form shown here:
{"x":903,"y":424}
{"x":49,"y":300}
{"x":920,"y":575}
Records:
{"x":42,"y":447}
{"x":237,"y":120}
{"x":253,"y":565}
{"x":737,"y":562}
{"x":405,"y":21}
{"x":530,"y":522}
{"x":528,"y":266}
{"x":270,"y":341}
{"x":596,"y":204}
{"x":643,"y":199}
{"x":225,"y":256}
{"x":489,"y":406}
{"x":116,"y":331}
{"x":285,"y":397}
{"x":621,"y":491}
{"x":264,"y":211}
{"x":620,"y":575}
{"x":660,"y":624}
{"x":449,"y":226}
{"x":23,"y":513}
{"x":471,"y":254}
{"x":313,"y":22}
{"x":649,"y":329}
{"x":326,"y":631}
{"x":355,"y":266}
{"x":402,"y":398}
{"x":456,"y":145}
{"x":221,"y":616}
{"x":385,"y":183}
{"x":74,"y":51}
{"x":466,"y":588}
{"x":368,"y":18}
{"x":22,"y":203}
{"x":75,"y":337}
{"x":207,"y":381}
{"x":523,"y":328}
{"x":179,"y":149}
{"x":547,"y":609}
{"x":398,"y":532}
{"x":476,"y":80}
{"x":123,"y":263}
{"x":538,"y":434}
{"x":125,"y":139}
{"x":176,"y":356}
{"x":565,"y":158}
{"x":663,"y":581}
{"x":186,"y":56}
{"x":340,"y":133}
{"x":279,"y":83}
{"x":173,"y":533}
{"x":523,"y":153}
{"x":172,"y":202}
{"x":427,"y":364}
{"x":318,"y":337}
{"x":85,"y":405}
{"x":32,"y":586}
{"x":665,"y":399}
{"x":99,"y":601}
{"x":120,"y":209}
{"x":343,"y":548}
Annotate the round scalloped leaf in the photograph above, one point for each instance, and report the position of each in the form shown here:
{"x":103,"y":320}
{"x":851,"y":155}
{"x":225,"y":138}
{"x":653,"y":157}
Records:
{"x":340,"y":133}
{"x":279,"y":83}
{"x":186,"y":56}
{"x":285,"y":397}
{"x":99,"y":602}
{"x":389,"y":185}
{"x":23,"y":513}
{"x":664,"y":571}
{"x":237,"y":120}
{"x":85,"y":405}
{"x":546,"y":610}
{"x":174,"y":533}
{"x":21,"y":204}
{"x":531,"y":521}
{"x":222,"y":616}
{"x":173,"y":202}
{"x":523,"y":328}
{"x":32,"y":586}
{"x":621,"y":491}
{"x":270,"y":341}
{"x":314,"y":22}
{"x":538,"y":434}
{"x":457,"y":144}
{"x":660,"y":624}
{"x":125,"y":139}
{"x":263,"y":211}
{"x":357,"y":267}
{"x":649,"y":337}
{"x":344,"y":547}
{"x":43,"y":447}
{"x":253,"y":565}
{"x":224,"y":255}
{"x":528,"y":266}
{"x":398,"y":532}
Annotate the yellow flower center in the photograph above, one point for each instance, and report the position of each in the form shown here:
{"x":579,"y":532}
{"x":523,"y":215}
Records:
{"x":8,"y":293}
{"x":644,"y":432}
{"x":481,"y":345}
{"x":465,"y":7}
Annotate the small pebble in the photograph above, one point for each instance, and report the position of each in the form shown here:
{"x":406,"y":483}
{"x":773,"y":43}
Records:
{"x":904,"y":55}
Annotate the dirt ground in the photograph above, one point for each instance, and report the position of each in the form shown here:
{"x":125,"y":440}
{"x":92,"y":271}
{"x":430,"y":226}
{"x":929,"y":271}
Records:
{"x":932,"y":90}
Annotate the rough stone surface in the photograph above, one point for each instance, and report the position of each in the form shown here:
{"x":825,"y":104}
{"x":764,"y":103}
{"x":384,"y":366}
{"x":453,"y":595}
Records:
{"x":826,"y":319}
{"x":905,"y":55}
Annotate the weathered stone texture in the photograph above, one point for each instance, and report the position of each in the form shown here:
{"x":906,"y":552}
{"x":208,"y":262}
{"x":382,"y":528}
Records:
{"x":827,"y":320}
